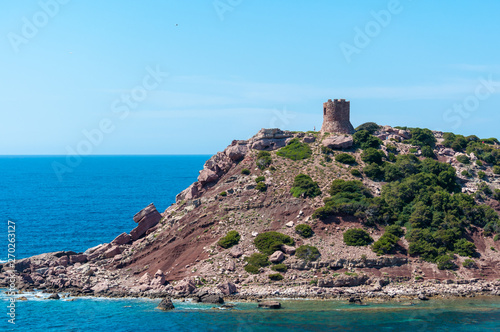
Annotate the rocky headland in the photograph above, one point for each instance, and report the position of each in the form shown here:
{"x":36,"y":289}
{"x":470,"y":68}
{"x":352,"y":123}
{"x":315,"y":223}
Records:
{"x":177,"y":253}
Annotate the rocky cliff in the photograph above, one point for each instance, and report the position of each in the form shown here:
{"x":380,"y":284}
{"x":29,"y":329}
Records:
{"x":177,"y":253}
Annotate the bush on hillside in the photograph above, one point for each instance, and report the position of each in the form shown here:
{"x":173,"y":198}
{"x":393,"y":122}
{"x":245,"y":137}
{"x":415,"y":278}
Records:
{"x":263,"y":159}
{"x":307,"y":253}
{"x":279,"y":267}
{"x":232,"y":238}
{"x":370,"y":127}
{"x":304,"y":230}
{"x":276,"y":276}
{"x":245,"y":171}
{"x":295,"y":150}
{"x":357,"y":237}
{"x":259,"y":260}
{"x":372,"y":155}
{"x":445,"y":262}
{"x":270,"y":242}
{"x":304,"y":185}
{"x":365,"y":140}
{"x":345,"y":158}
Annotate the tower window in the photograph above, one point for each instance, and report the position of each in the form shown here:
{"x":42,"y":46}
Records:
{"x":324,"y":110}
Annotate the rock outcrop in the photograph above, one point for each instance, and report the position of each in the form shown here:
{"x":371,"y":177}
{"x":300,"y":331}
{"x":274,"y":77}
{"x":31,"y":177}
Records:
{"x":146,"y":218}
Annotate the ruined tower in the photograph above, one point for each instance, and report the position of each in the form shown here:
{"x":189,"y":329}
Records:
{"x":336,"y":117}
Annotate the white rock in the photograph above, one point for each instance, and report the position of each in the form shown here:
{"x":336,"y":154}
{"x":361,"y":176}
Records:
{"x":289,"y":224}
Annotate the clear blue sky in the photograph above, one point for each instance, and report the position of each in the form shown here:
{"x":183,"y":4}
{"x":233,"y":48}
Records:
{"x":245,"y":65}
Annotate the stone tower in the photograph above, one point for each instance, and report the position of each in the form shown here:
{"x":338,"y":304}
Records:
{"x":336,"y":117}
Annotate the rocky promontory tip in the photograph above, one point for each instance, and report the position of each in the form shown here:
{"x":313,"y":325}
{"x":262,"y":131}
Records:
{"x":384,"y":212}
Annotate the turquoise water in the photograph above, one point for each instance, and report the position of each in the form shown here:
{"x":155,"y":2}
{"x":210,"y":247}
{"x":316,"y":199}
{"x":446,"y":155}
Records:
{"x":96,"y":202}
{"x":91,"y":314}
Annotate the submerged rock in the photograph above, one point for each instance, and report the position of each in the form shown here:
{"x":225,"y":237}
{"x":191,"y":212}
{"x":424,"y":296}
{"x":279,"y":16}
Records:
{"x":165,"y":305}
{"x":270,"y":305}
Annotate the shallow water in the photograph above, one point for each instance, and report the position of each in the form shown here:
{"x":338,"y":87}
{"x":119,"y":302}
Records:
{"x":100,"y":314}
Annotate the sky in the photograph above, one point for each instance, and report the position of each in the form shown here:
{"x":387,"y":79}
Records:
{"x":187,"y":77}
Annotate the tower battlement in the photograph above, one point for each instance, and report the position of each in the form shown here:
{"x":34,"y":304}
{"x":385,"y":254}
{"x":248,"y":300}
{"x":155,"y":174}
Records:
{"x":336,"y":117}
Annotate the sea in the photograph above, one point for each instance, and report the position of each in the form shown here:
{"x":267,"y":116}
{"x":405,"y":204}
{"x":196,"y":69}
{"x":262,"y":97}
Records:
{"x":93,"y":200}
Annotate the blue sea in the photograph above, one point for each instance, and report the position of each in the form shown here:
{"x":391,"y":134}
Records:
{"x":96,"y":200}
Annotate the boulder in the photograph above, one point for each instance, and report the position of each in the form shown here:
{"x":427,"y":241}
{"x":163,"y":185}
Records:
{"x":289,"y":224}
{"x":165,"y":304}
{"x":227,"y":288}
{"x":270,"y":304}
{"x":54,"y":297}
{"x":276,"y":257}
{"x":211,"y":298}
{"x":236,"y":152}
{"x":81,"y":258}
{"x":309,"y":139}
{"x":236,"y":252}
{"x":338,"y":142}
{"x":146,"y":218}
{"x":289,"y":250}
{"x":193,"y":191}
{"x":185,"y":286}
{"x":63,"y":261}
{"x":207,"y":176}
{"x":269,"y":144}
{"x":121,"y":239}
{"x":145,"y":279}
{"x":159,"y":279}
{"x":422,"y":297}
{"x":101,"y":287}
{"x":112,"y":252}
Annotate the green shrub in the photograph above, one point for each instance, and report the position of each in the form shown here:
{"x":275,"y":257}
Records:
{"x":496,"y":194}
{"x":365,"y":140}
{"x":481,"y":175}
{"x":422,"y":137}
{"x":413,"y":150}
{"x":223,"y":194}
{"x":232,"y":238}
{"x":465,"y":248}
{"x":466,"y":174}
{"x":496,"y":169}
{"x":386,"y":244}
{"x":374,"y":172}
{"x":260,"y":179}
{"x":345,"y":158}
{"x":276,"y":276}
{"x":251,"y":269}
{"x":395,"y":230}
{"x":496,"y":238}
{"x":279,"y":267}
{"x":263,"y":159}
{"x":245,"y":171}
{"x":355,"y":172}
{"x":370,"y":127}
{"x":270,"y":242}
{"x":428,"y":152}
{"x":445,"y":262}
{"x":372,"y":155}
{"x":304,"y":185}
{"x":295,"y":150}
{"x":307,"y":253}
{"x":391,"y":148}
{"x":463,"y":159}
{"x":357,"y":237}
{"x":261,"y":186}
{"x":304,"y":230}
{"x":469,"y":264}
{"x":479,"y":163}
{"x":259,"y":260}
{"x":391,"y":157}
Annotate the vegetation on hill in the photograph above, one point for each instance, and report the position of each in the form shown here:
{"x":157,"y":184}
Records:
{"x":269,"y":242}
{"x":263,"y":159}
{"x":345,"y":158}
{"x":357,"y":237}
{"x":307,"y":253}
{"x":232,"y":238}
{"x":304,"y":230}
{"x":295,"y":150}
{"x":304,"y":185}
{"x":364,"y":140}
{"x":370,"y":127}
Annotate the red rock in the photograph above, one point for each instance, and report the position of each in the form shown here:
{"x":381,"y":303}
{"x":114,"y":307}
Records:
{"x":236,"y":152}
{"x":77,"y":259}
{"x":276,"y":257}
{"x":123,"y":238}
{"x":227,"y":288}
{"x":147,"y":218}
{"x":207,"y":175}
{"x":288,"y":249}
{"x":115,"y":250}
{"x":63,"y":261}
{"x":309,"y":139}
{"x":338,"y":142}
{"x":185,"y":286}
{"x":236,"y":252}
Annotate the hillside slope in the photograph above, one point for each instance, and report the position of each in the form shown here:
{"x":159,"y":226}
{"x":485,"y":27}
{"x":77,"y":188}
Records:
{"x":246,"y":190}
